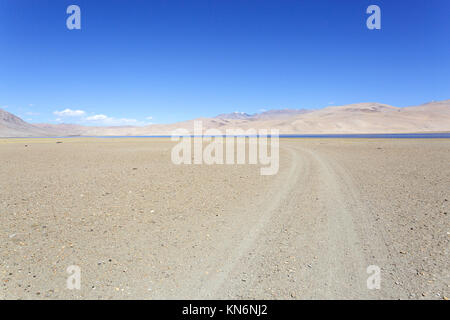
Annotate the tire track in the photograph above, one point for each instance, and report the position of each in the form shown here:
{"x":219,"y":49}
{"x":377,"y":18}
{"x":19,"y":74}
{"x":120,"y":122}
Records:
{"x":211,"y":287}
{"x":311,"y":246}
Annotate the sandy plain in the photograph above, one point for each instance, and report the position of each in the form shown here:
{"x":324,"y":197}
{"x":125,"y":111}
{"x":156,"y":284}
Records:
{"x":141,"y":227}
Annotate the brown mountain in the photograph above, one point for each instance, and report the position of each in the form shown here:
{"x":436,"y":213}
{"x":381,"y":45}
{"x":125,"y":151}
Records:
{"x":267,"y":115}
{"x":352,"y":118}
{"x":13,"y":126}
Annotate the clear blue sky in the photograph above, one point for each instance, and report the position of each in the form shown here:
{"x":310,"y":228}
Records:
{"x":177,"y":60}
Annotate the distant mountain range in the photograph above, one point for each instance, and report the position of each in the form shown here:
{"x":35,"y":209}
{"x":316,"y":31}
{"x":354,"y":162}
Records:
{"x":352,"y":118}
{"x":271,"y":114}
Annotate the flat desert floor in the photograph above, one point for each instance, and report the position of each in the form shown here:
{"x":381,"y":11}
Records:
{"x":141,"y":227}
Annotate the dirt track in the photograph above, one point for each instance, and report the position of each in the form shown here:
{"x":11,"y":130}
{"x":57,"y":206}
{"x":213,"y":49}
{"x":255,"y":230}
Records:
{"x":141,"y":227}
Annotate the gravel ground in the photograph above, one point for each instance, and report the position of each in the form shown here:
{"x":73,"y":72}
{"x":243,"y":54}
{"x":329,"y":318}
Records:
{"x":140,"y":227}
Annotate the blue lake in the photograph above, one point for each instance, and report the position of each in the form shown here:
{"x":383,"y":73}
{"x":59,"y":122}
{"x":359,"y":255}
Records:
{"x":445,"y":135}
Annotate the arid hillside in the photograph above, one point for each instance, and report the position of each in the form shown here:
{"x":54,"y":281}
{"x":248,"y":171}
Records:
{"x":352,"y":118}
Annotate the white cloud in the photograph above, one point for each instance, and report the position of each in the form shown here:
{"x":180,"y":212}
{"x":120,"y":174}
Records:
{"x":31,"y":113}
{"x":70,"y":113}
{"x":101,"y":119}
{"x":97,"y":117}
{"x":4,"y":107}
